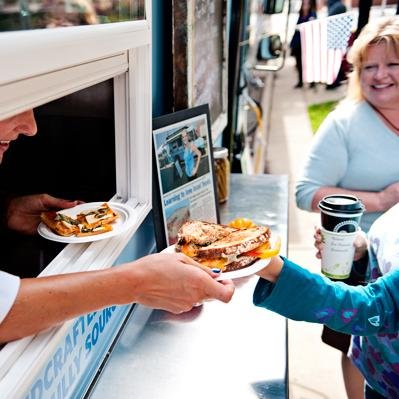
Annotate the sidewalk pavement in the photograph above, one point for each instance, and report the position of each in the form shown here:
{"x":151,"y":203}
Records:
{"x":314,"y":368}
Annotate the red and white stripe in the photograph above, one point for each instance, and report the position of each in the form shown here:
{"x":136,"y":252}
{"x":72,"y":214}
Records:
{"x":319,"y":64}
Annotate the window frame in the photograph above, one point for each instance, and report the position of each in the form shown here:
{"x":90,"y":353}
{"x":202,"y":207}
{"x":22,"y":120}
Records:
{"x":62,"y":61}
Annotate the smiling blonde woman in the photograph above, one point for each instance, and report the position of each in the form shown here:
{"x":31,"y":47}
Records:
{"x":356,"y":147}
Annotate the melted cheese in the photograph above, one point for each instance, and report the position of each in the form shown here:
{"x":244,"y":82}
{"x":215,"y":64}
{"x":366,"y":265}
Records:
{"x":219,"y":263}
{"x":68,"y":225}
{"x":95,"y":217}
{"x":189,"y":250}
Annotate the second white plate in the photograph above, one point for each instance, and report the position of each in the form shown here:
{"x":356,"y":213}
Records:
{"x":125,"y":219}
{"x":244,"y":272}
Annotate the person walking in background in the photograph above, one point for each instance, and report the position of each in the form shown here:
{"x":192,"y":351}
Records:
{"x":335,"y":7}
{"x":307,"y":13}
{"x":366,"y":121}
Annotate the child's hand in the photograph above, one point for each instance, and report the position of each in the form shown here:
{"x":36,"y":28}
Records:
{"x":318,"y":242}
{"x":360,"y":244}
{"x":272,"y":271}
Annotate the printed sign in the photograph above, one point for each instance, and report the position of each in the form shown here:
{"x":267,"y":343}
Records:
{"x":72,"y":364}
{"x":184,"y":167}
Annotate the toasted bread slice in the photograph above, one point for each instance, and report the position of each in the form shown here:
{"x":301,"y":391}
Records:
{"x":202,"y":233}
{"x":97,"y":217}
{"x":235,"y":243}
{"x":59,"y":223}
{"x":224,"y":265}
{"x":241,"y":262}
{"x":91,"y":222}
{"x":223,"y":247}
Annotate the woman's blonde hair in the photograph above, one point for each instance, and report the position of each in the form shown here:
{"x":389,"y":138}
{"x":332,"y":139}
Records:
{"x":383,"y":30}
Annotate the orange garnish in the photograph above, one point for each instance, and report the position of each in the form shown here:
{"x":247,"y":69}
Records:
{"x":264,"y":251}
{"x":241,"y":223}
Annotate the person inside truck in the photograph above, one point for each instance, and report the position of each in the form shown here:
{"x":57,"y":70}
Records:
{"x":27,"y":306}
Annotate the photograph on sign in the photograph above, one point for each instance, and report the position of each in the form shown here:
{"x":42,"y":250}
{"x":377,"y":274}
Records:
{"x":184,"y":184}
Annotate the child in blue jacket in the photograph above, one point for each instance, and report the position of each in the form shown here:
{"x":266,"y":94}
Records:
{"x":369,"y":313}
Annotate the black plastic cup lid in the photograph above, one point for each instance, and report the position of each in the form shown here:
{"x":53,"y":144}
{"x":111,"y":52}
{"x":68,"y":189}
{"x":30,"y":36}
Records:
{"x":341,"y":203}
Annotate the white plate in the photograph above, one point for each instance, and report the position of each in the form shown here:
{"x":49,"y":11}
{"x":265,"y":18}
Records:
{"x":244,"y":272}
{"x":124,"y":220}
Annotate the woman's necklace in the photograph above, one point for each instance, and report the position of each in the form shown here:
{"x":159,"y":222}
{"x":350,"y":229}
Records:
{"x":385,"y":119}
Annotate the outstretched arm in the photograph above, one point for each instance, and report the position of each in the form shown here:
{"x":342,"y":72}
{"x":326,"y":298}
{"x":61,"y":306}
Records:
{"x":294,"y":292}
{"x":171,"y":282}
{"x":379,"y":201}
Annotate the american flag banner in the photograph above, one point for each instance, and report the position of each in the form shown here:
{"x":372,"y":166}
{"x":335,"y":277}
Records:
{"x":324,"y":42}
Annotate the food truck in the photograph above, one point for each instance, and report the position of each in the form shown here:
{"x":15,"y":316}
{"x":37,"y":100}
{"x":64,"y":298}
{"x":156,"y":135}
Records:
{"x":96,"y":73}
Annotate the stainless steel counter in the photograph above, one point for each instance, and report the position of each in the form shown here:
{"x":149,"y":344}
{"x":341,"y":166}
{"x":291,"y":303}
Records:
{"x":223,"y":351}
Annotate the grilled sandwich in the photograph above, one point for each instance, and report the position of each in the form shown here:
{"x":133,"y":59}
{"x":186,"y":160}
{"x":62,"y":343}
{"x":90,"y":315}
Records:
{"x":100,"y":216}
{"x":88,"y":223}
{"x":220,"y":246}
{"x":60,"y":223}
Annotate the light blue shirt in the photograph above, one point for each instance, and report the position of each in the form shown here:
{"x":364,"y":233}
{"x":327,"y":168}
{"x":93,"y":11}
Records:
{"x":353,"y":149}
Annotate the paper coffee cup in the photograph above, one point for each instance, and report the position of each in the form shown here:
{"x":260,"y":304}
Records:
{"x":337,"y":254}
{"x":341,"y":212}
{"x":340,"y":219}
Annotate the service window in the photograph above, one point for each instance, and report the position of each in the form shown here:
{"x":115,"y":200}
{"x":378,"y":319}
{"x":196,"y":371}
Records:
{"x":90,"y":89}
{"x":72,"y":156}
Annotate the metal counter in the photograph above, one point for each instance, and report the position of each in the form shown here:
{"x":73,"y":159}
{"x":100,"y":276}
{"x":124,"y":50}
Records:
{"x":223,"y":351}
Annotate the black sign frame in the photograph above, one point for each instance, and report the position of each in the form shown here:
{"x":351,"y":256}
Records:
{"x":178,"y":197}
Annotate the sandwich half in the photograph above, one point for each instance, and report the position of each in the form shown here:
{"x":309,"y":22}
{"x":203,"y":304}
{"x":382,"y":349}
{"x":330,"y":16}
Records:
{"x":61,"y":224}
{"x":220,"y":246}
{"x":103,"y":215}
{"x":91,"y":222}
